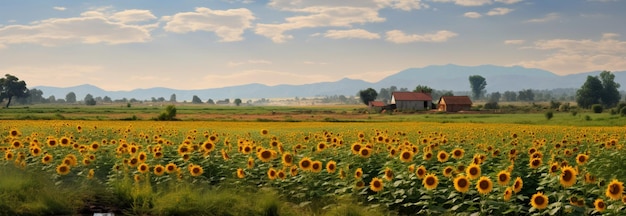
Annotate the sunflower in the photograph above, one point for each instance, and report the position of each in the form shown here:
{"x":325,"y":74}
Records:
{"x":208,"y":146}
{"x":94,"y":146}
{"x":457,"y":153}
{"x":240,"y":173}
{"x":360,"y":184}
{"x":271,"y":173}
{"x":430,"y":181}
{"x":305,"y":163}
{"x":473,"y":171}
{"x":447,"y":171}
{"x":63,"y":169}
{"x":16,"y":144}
{"x":582,"y":159}
{"x":504,"y":177}
{"x":137,"y":178}
{"x":589,"y":179}
{"x":508,"y":192}
{"x":412,"y":168}
{"x":8,"y":155}
{"x":143,"y":168}
{"x":568,"y":176}
{"x":406,"y":156}
{"x":518,"y":184}
{"x":427,"y":155}
{"x":14,"y":133}
{"x":195,"y":170}
{"x":358,"y":173}
{"x":250,"y":162}
{"x":376,"y":184}
{"x":64,"y":141}
{"x":170,"y":167}
{"x":554,"y":167}
{"x":342,"y":174}
{"x":365,"y":152}
{"x":461,"y":184}
{"x":388,"y":174}
{"x":293,"y":171}
{"x":615,"y":189}
{"x":624,"y":199}
{"x":321,"y":146}
{"x":47,"y":158}
{"x":442,"y":156}
{"x":51,"y":141}
{"x":331,"y":166}
{"x":599,"y":205}
{"x":356,"y":148}
{"x":484,"y":185}
{"x":539,"y":201}
{"x":287,"y":159}
{"x":535,"y":163}
{"x":142,"y":157}
{"x":264,"y":132}
{"x":316,"y":166}
{"x":421,"y":172}
{"x":159,"y":170}
{"x":90,"y":174}
{"x":265,"y":155}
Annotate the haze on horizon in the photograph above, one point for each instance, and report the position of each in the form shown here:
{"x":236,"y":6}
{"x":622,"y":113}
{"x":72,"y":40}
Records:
{"x":186,"y":44}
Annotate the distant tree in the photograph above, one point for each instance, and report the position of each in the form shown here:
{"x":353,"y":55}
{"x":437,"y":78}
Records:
{"x":161,"y":99}
{"x":384,"y":95}
{"x":526,"y":95}
{"x":495,"y":97}
{"x":423,"y":88}
{"x":153,"y":99}
{"x":196,"y":100}
{"x":610,"y":95}
{"x":168,"y":114}
{"x":237,"y":101}
{"x":589,"y":93}
{"x":35,"y":96}
{"x":510,"y":96}
{"x":210,"y":101}
{"x":107,"y":99}
{"x":368,"y":95}
{"x":70,"y":97}
{"x":173,"y":98}
{"x":478,"y":84}
{"x":11,"y":86}
{"x":89,"y":100}
{"x":52,"y":99}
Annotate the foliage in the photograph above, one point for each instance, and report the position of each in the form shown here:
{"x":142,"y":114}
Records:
{"x":596,"y":90}
{"x":597,"y":108}
{"x":368,"y":95}
{"x":610,"y":95}
{"x":237,"y":101}
{"x":477,"y":84}
{"x":423,"y":88}
{"x":70,"y":97}
{"x":549,"y":114}
{"x":622,"y":111}
{"x":196,"y":100}
{"x":89,"y":100}
{"x":10,"y":87}
{"x":491,"y":105}
{"x":168,"y":114}
{"x":526,"y":95}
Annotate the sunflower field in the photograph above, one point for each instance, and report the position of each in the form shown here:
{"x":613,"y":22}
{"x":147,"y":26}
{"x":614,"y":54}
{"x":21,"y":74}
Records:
{"x":314,"y":168}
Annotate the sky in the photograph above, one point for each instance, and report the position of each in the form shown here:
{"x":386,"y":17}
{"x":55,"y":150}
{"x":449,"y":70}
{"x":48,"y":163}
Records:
{"x":200,"y":44}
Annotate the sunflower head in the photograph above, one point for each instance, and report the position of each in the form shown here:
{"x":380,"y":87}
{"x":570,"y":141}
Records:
{"x":316,"y":166}
{"x":376,"y":184}
{"x":442,"y":156}
{"x":615,"y":189}
{"x":473,"y":171}
{"x":159,"y":170}
{"x":599,"y":205}
{"x":406,"y":156}
{"x":508,"y":193}
{"x":461,"y":184}
{"x":447,"y":171}
{"x":331,"y":166}
{"x":358,"y":173}
{"x":430,"y":181}
{"x":484,"y":185}
{"x":539,"y":200}
{"x":504,"y":177}
{"x":421,"y":172}
{"x":568,"y":176}
{"x":582,"y":159}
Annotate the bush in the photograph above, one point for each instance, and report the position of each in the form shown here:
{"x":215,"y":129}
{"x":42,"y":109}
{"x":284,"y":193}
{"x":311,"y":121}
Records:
{"x":574,"y":112}
{"x":549,"y":115}
{"x":622,"y":112}
{"x":168,"y":114}
{"x":597,"y":108}
{"x":491,"y":105}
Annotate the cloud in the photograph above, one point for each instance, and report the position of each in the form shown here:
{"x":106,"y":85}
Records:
{"x":509,"y":1}
{"x":406,"y":5}
{"x":91,"y":27}
{"x":569,"y":55}
{"x":267,"y":77}
{"x":229,"y":24}
{"x":499,"y":11}
{"x":352,"y":33}
{"x":397,"y":36}
{"x":467,"y":2}
{"x":472,"y":15}
{"x":319,"y":17}
{"x":547,"y":18}
{"x":255,"y":61}
{"x":133,"y":16}
{"x":514,"y":42}
{"x":59,"y":8}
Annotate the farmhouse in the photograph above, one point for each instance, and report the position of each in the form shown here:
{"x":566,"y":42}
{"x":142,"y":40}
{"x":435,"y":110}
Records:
{"x":411,"y":100}
{"x":454,"y":103}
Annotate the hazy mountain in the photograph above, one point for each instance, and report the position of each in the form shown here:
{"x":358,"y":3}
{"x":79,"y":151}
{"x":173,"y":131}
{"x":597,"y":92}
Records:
{"x":441,"y":77}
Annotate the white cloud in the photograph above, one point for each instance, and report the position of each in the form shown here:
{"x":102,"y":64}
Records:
{"x":472,"y":15}
{"x":319,"y":17}
{"x":267,"y":77}
{"x":352,"y":33}
{"x":514,"y":42}
{"x":254,"y":61}
{"x":132,"y":16}
{"x":229,"y":24}
{"x":499,"y":11}
{"x":570,"y":56}
{"x":59,"y":8}
{"x":467,"y":2}
{"x":90,"y":28}
{"x":406,"y":5}
{"x":509,"y":1}
{"x":397,"y":36}
{"x":547,"y":18}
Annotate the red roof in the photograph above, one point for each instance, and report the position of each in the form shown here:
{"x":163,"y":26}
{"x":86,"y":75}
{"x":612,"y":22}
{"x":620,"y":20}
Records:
{"x":462,"y":100}
{"x":411,"y":96}
{"x":377,"y":103}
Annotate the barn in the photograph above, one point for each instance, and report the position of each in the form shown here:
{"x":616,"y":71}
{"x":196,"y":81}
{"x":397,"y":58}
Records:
{"x":454,"y":103}
{"x":407,"y":101}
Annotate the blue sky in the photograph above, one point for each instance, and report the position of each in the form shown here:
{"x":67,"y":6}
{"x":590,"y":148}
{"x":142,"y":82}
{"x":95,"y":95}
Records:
{"x":197,"y":44}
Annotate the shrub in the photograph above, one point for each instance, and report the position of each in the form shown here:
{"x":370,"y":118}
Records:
{"x":622,"y":112}
{"x":168,"y":114}
{"x":549,"y":115}
{"x":574,"y":112}
{"x":491,"y":105}
{"x":597,"y":108}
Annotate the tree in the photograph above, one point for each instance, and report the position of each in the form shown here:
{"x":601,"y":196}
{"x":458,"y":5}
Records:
{"x":423,"y":88}
{"x":11,"y":86}
{"x":610,"y":95}
{"x":107,"y":99}
{"x":526,"y":95}
{"x":196,"y":100}
{"x":168,"y":114}
{"x":478,"y":84}
{"x":173,"y":98}
{"x":495,"y":97}
{"x":210,"y":101}
{"x":237,"y":101}
{"x":589,"y":93}
{"x":510,"y":96}
{"x":89,"y":100}
{"x":70,"y":97}
{"x":368,"y":95}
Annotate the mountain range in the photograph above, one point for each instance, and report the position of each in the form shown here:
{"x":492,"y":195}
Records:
{"x":440,"y":77}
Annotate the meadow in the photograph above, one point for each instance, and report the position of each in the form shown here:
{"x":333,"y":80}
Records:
{"x":336,"y":161}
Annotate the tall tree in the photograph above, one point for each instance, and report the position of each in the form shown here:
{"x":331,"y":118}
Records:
{"x":11,"y":86}
{"x":478,"y":84}
{"x":196,"y":100}
{"x":510,"y":96}
{"x":70,"y":97}
{"x":423,"y":88}
{"x":173,"y":98}
{"x":526,"y":95}
{"x":495,"y":97}
{"x":237,"y":101}
{"x":589,"y":93}
{"x":368,"y":95}
{"x":89,"y":100}
{"x":610,"y":95}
